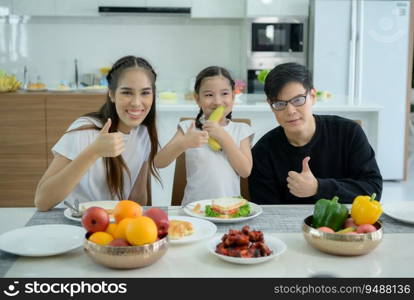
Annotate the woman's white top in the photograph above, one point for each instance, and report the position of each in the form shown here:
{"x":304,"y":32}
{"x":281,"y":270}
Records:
{"x":93,"y":186}
{"x":209,"y":173}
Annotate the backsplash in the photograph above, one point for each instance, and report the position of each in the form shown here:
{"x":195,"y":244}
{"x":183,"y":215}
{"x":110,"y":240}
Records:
{"x":178,"y":47}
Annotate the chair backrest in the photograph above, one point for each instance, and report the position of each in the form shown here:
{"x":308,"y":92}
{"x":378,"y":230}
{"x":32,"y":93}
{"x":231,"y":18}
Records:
{"x":149,"y":194}
{"x":180,"y":175}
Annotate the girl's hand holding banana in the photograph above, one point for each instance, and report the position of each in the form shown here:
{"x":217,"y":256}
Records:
{"x":195,"y":138}
{"x":108,"y":144}
{"x":215,"y":130}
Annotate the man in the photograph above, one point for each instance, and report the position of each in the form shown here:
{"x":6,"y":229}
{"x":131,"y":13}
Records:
{"x":308,"y":156}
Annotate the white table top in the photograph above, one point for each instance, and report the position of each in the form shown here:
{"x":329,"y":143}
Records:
{"x":392,"y":258}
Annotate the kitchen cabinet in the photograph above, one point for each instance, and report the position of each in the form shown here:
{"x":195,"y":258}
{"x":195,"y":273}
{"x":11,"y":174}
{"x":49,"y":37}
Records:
{"x":218,"y":9}
{"x":275,"y":8}
{"x":145,"y":3}
{"x":30,"y":124}
{"x":23,"y":148}
{"x":34,"y":7}
{"x":295,"y":8}
{"x":76,"y":8}
{"x":6,"y":7}
{"x":122,"y":3}
{"x":62,"y":110}
{"x":169,"y":3}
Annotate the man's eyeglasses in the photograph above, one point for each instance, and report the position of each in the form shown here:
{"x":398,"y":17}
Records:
{"x":280,"y":105}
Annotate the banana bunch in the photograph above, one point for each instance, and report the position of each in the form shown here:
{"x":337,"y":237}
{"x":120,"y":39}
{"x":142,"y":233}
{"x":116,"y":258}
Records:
{"x":215,"y":116}
{"x":8,"y":83}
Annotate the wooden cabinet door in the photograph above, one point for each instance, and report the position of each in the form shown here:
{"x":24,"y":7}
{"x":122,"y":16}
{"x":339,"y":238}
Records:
{"x":62,"y":110}
{"x":22,"y":148}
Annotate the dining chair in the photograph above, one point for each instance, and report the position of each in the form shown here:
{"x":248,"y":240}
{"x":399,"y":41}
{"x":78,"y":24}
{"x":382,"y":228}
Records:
{"x":149,"y":194}
{"x":180,"y":176}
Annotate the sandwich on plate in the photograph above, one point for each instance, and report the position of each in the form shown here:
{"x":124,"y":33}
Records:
{"x":228,"y":207}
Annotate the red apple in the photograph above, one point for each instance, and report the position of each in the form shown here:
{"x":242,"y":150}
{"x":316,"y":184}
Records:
{"x":160,"y":218}
{"x":326,"y":229}
{"x":349,"y":223}
{"x":366,"y":228}
{"x":119,"y":243}
{"x":95,"y":219}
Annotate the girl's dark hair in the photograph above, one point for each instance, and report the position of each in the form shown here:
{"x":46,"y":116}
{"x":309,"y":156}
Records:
{"x":115,"y":165}
{"x":210,"y":72}
{"x":283,"y":74}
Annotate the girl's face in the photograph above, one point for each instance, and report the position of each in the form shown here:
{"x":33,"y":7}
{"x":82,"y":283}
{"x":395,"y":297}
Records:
{"x":215,"y":91}
{"x":133,"y":98}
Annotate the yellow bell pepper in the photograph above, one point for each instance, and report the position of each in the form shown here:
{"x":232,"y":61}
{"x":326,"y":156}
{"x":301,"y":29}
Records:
{"x":366,"y":210}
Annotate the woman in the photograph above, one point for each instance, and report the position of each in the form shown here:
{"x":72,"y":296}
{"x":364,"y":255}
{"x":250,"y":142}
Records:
{"x":107,"y":154}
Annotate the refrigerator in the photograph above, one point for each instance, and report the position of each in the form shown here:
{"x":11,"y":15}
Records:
{"x":359,"y":51}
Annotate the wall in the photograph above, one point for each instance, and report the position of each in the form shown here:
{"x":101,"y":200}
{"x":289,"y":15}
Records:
{"x":177,"y":46}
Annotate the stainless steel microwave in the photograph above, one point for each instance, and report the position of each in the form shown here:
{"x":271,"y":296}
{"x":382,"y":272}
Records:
{"x":275,"y":39}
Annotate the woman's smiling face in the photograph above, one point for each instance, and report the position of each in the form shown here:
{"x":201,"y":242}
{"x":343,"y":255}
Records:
{"x":133,"y":98}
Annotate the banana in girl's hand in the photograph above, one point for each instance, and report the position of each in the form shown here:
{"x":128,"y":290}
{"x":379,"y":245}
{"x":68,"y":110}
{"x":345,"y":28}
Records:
{"x":215,"y":116}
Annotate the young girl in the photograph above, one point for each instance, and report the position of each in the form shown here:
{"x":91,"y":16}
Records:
{"x":107,"y":154}
{"x":211,"y":174}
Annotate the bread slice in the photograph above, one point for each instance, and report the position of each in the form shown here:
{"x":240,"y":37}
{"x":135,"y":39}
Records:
{"x":178,"y":229}
{"x":227,"y":205}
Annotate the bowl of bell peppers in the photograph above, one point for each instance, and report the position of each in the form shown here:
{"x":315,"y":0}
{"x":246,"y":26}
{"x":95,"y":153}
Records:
{"x":335,"y":229}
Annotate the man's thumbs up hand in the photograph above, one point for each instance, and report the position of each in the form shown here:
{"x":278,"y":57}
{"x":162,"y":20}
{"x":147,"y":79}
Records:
{"x":302,"y":184}
{"x":305,"y":165}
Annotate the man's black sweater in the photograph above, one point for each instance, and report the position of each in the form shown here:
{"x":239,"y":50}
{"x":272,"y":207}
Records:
{"x":342,"y":161}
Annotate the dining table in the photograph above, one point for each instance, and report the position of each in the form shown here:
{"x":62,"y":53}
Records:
{"x":393,"y":257}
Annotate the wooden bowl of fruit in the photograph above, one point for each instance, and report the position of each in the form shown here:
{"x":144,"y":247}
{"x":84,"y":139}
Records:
{"x":136,"y":239}
{"x":331,"y":229}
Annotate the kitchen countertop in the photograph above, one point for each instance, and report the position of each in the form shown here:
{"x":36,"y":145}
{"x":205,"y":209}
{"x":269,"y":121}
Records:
{"x":248,"y":102}
{"x":186,"y":105}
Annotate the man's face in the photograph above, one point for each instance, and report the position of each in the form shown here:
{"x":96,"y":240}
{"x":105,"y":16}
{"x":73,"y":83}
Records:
{"x":294,"y":119}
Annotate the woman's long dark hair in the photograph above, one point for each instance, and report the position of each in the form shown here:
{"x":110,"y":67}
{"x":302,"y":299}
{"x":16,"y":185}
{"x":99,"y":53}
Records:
{"x":115,"y":165}
{"x":210,"y":72}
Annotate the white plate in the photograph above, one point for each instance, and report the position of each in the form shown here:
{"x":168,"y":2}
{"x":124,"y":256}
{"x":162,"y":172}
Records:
{"x":274,"y":244}
{"x":202,"y":229}
{"x":42,"y":240}
{"x":255,"y":210}
{"x":107,"y":204}
{"x":401,"y":211}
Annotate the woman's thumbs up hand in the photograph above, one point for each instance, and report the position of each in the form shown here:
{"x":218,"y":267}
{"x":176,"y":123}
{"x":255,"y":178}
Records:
{"x":108,"y":144}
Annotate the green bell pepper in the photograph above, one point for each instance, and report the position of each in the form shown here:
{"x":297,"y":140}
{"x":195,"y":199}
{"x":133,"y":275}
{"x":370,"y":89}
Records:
{"x":329,"y":213}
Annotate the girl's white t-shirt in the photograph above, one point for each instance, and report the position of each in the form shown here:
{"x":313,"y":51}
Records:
{"x":209,"y":173}
{"x":93,"y":186}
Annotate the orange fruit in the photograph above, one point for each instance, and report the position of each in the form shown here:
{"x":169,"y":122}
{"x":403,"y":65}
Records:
{"x":141,"y":230}
{"x":101,"y":238}
{"x":111,"y":229}
{"x":121,"y":228}
{"x":127,"y":209}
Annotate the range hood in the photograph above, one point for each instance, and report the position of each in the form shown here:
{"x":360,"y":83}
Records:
{"x":143,"y":9}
